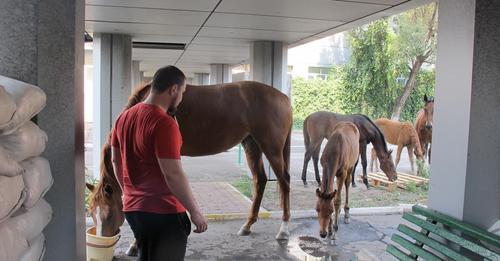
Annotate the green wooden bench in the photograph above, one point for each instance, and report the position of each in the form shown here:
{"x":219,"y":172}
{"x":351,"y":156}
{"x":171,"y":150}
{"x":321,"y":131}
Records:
{"x":440,"y":226}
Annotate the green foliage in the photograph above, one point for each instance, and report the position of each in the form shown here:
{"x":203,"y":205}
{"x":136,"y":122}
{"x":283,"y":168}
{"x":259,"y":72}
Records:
{"x":423,"y":169}
{"x":244,"y":185}
{"x":312,"y":95}
{"x":411,"y":187}
{"x":375,"y":76}
{"x":89,"y":178}
{"x":365,"y":86}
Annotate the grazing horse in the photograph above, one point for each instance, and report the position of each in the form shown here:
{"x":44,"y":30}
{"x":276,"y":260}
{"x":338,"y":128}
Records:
{"x":402,"y":134}
{"x":423,"y":125}
{"x":213,"y":119}
{"x":338,"y":160}
{"x":319,"y":125}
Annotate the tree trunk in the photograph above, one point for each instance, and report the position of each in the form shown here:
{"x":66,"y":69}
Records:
{"x":410,"y":85}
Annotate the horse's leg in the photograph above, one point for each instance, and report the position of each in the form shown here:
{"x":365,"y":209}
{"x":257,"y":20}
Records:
{"x":372,"y":159}
{"x":315,"y":156}
{"x":424,"y":148}
{"x":132,"y":249}
{"x":398,"y":155}
{"x":347,"y":216}
{"x":278,"y":165}
{"x":353,"y":174}
{"x":362,"y":152}
{"x":307,"y":158}
{"x":336,"y":203}
{"x":410,"y":156}
{"x":254,"y":159}
{"x":430,"y":148}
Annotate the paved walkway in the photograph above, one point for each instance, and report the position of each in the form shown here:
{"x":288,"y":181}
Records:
{"x":365,"y":238}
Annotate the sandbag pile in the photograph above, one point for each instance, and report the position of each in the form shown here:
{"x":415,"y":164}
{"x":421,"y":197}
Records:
{"x":25,"y":177}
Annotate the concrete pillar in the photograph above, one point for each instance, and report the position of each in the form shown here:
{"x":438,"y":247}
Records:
{"x":268,"y":64}
{"x":201,"y":79}
{"x":465,"y":181}
{"x":220,"y":73}
{"x":112,"y":55}
{"x":43,"y":45}
{"x":136,"y":75}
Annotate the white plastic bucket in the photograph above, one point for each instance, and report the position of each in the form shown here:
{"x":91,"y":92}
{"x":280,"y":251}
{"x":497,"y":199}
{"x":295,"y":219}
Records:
{"x":100,"y":248}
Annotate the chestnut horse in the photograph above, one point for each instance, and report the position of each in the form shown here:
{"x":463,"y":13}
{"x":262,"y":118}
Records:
{"x":402,"y":134}
{"x":423,"y":125}
{"x":213,"y":119}
{"x":319,"y":125}
{"x":338,"y":160}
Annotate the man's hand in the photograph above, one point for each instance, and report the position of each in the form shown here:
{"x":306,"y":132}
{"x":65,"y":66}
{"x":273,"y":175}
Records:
{"x":200,"y":222}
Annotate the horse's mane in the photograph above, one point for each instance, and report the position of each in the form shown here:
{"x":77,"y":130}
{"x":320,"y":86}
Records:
{"x":379,"y":132}
{"x":107,"y":176}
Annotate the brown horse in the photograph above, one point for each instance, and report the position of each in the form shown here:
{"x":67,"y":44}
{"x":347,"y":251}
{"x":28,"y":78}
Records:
{"x":319,"y":126}
{"x":213,"y":119}
{"x":423,"y":125}
{"x":339,"y":159}
{"x":402,"y":134}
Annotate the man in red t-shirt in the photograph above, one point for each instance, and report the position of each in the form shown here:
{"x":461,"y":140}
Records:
{"x":145,"y":152}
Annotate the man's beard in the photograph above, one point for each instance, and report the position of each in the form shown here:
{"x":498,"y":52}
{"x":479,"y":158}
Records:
{"x":172,"y":111}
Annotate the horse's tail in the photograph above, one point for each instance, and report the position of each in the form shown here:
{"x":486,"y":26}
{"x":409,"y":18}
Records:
{"x":307,"y":138}
{"x":106,"y":175}
{"x":286,"y":150}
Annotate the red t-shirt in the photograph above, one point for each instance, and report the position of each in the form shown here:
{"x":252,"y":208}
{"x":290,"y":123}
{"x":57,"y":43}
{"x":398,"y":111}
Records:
{"x":144,"y":133}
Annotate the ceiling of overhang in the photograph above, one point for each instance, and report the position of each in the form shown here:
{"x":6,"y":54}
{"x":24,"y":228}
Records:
{"x":221,"y":31}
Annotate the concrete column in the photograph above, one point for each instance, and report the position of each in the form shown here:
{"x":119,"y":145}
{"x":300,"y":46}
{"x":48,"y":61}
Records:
{"x":465,"y":181}
{"x":220,"y":73}
{"x":43,"y":45}
{"x":112,"y":55}
{"x":268,"y":64}
{"x":136,"y":75}
{"x":201,"y":79}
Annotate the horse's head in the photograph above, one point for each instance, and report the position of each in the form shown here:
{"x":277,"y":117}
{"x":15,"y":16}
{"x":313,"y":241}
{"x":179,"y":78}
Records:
{"x":106,"y":198}
{"x":324,"y":207}
{"x":429,"y":111}
{"x":106,"y":205}
{"x":387,"y":165}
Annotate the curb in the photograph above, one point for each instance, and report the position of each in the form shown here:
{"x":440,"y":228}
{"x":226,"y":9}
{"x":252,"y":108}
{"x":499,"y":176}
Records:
{"x":369,"y":211}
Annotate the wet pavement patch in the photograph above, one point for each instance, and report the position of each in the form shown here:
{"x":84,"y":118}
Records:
{"x":312,"y":246}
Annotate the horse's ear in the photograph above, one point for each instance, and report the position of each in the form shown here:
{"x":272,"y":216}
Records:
{"x":90,"y":187}
{"x":318,"y":193}
{"x":426,"y":99}
{"x":332,"y":195}
{"x":108,"y":190}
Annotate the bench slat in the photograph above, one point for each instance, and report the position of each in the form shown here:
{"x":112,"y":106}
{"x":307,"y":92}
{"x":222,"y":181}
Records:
{"x":398,"y":253}
{"x":431,"y":243}
{"x":459,"y":225}
{"x":414,"y":249}
{"x":451,"y":237}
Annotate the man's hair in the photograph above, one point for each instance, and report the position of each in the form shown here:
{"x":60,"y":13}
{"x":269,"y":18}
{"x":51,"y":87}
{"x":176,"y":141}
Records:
{"x":167,"y":77}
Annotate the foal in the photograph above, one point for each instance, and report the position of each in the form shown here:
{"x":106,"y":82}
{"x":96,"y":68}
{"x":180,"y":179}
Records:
{"x":338,"y":160}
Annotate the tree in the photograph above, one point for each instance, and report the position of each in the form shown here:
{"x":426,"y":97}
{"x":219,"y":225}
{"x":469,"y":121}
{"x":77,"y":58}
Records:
{"x":415,"y":44}
{"x":365,"y":87}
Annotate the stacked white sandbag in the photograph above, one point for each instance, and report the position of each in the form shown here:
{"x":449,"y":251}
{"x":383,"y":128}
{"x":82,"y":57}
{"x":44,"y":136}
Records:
{"x":25,"y":177}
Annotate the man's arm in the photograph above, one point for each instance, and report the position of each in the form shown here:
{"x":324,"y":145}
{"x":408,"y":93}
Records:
{"x":177,"y":182}
{"x":116,"y":160}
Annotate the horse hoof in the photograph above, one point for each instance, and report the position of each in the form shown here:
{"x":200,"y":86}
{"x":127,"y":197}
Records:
{"x":283,"y":235}
{"x":243,"y":232}
{"x":304,"y":182}
{"x":354,"y":185}
{"x":347,"y":220}
{"x":132,"y":251}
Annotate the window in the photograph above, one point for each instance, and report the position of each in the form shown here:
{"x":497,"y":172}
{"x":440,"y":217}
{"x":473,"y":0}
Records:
{"x":318,"y":72}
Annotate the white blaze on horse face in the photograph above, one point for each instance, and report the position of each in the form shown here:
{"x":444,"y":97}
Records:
{"x":98,"y":225}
